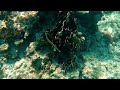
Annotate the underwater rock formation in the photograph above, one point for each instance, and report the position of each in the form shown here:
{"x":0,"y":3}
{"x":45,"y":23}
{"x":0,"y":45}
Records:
{"x":51,"y":44}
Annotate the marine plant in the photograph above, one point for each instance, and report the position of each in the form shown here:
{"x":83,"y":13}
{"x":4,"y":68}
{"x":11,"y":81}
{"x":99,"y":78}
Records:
{"x":63,"y":40}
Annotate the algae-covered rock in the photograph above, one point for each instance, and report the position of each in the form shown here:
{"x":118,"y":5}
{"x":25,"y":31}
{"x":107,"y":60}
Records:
{"x":101,"y":70}
{"x":31,"y":48}
{"x":109,"y":26}
{"x":13,"y":23}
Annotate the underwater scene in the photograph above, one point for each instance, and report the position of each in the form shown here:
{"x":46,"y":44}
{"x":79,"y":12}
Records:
{"x":59,"y":44}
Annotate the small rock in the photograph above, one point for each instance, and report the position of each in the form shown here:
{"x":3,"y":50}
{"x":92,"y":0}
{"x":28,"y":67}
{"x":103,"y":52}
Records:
{"x":4,"y":47}
{"x":45,"y":76}
{"x":31,"y":48}
{"x":18,"y":42}
{"x":2,"y":24}
{"x":18,"y":64}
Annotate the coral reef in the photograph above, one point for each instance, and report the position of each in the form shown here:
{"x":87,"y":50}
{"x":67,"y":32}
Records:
{"x":59,"y":45}
{"x":14,"y":23}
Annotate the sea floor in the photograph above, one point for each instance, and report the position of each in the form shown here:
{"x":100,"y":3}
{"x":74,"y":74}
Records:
{"x":20,"y":60}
